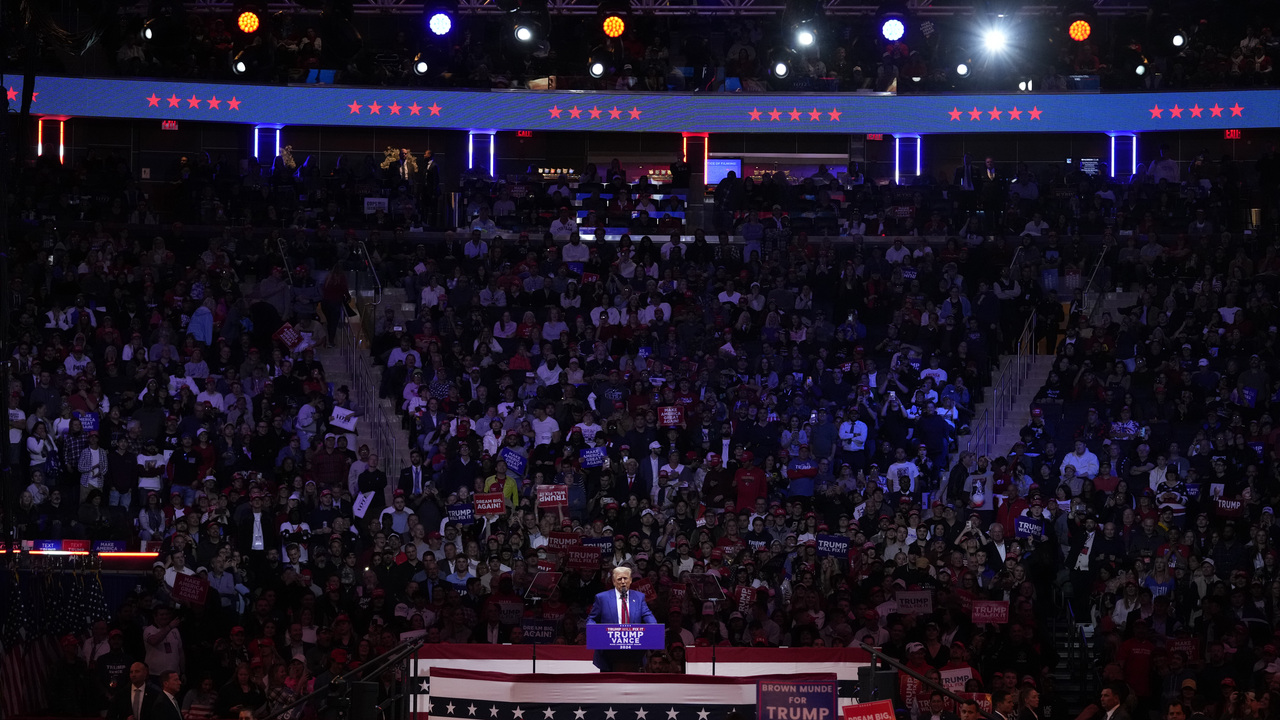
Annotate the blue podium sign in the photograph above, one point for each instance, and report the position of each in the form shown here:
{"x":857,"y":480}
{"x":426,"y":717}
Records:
{"x":627,"y":637}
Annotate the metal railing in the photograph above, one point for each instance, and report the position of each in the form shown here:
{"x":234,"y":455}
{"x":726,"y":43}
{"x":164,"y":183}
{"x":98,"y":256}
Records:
{"x":877,"y":656}
{"x":284,"y":259}
{"x":357,"y":360}
{"x":366,"y":282}
{"x":1004,"y":392}
{"x":1094,"y":290}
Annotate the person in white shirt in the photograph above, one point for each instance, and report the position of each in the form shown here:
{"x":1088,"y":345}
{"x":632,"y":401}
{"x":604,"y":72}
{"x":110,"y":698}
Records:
{"x":896,"y":254}
{"x":211,"y":395}
{"x":729,"y":294}
{"x":853,"y":440}
{"x":476,"y":247}
{"x":545,"y":429}
{"x":163,"y":643}
{"x":484,"y":225}
{"x":177,"y":566}
{"x":1082,"y":459}
{"x":575,"y":250}
{"x":564,"y":226}
{"x":433,"y":293}
{"x":1036,"y":226}
{"x":552,"y":328}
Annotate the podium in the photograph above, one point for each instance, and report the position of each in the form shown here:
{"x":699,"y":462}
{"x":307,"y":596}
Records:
{"x":633,"y":636}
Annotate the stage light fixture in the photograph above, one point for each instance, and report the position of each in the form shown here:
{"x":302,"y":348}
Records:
{"x":1179,"y":39}
{"x":524,"y":33}
{"x":780,"y":62}
{"x":781,"y":69}
{"x":805,"y":36}
{"x":1080,"y":30}
{"x":240,"y":64}
{"x":994,"y":40}
{"x":962,"y":70}
{"x":614,"y":26}
{"x":440,"y":23}
{"x":149,"y":30}
{"x":893,"y":29}
{"x":1026,"y":85}
{"x":595,"y":69}
{"x":420,"y":65}
{"x":248,"y":22}
{"x":1140,"y":70}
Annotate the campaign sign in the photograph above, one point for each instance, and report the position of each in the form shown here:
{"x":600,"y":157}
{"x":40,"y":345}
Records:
{"x":1231,"y":508}
{"x":88,"y":421}
{"x":538,"y":631}
{"x":670,"y":415}
{"x":515,"y":461}
{"x":636,"y":636}
{"x":583,"y":558}
{"x":489,"y":503}
{"x":878,"y":710}
{"x":510,"y":612}
{"x":955,"y":680}
{"x":288,"y":336}
{"x":603,"y":544}
{"x":836,"y":546}
{"x":983,"y":700}
{"x":462,"y":513}
{"x":75,"y":546}
{"x":343,"y":418}
{"x":1190,"y":646}
{"x":190,"y":589}
{"x":562,"y":540}
{"x":592,"y":457}
{"x":991,"y":611}
{"x":1024,"y":526}
{"x":676,"y":594}
{"x":914,"y":602}
{"x":553,"y":496}
{"x":547,"y":564}
{"x":645,"y":586}
{"x":808,"y":700}
{"x":914,"y":694}
{"x":103,"y":546}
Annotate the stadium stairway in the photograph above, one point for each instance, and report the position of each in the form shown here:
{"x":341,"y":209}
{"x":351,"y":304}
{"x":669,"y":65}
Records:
{"x":1075,"y":677}
{"x":349,"y":363}
{"x":1020,"y":412}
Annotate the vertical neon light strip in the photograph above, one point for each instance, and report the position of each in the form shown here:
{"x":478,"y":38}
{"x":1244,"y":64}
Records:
{"x":684,"y":144}
{"x":1113,"y":156}
{"x":62,"y":142}
{"x":471,"y":150}
{"x":706,"y":154}
{"x":39,"y":137}
{"x":277,"y":144}
{"x":897,"y":159}
{"x":492,"y":141}
{"x":917,"y":156}
{"x":255,"y":143}
{"x":1134,"y":168}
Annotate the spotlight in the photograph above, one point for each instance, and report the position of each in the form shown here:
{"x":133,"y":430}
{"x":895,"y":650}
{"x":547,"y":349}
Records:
{"x":805,"y":36}
{"x":524,"y":33}
{"x":1080,"y":30}
{"x":598,"y":62}
{"x":1140,"y":70}
{"x":614,"y":26}
{"x":240,"y":65}
{"x":149,"y":30}
{"x":1179,"y":39}
{"x":420,"y":65}
{"x":893,"y":29}
{"x":962,"y":70}
{"x":596,"y":69}
{"x":440,"y":23}
{"x":248,"y":22}
{"x":1026,"y":85}
{"x":994,"y":40}
{"x":780,"y":63}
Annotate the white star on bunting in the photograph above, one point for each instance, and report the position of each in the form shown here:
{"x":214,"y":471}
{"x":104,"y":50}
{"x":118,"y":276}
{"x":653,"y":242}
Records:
{"x":549,"y":714}
{"x":471,"y":709}
{"x":671,"y":714}
{"x":610,"y":713}
{"x":641,"y":713}
{"x":702,"y":714}
{"x":493,"y":711}
{"x":448,"y":709}
{"x":518,"y":714}
{"x":579,"y":714}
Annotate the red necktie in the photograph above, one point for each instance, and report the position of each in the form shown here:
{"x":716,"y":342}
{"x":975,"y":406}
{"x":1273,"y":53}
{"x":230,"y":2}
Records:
{"x":626,"y":612}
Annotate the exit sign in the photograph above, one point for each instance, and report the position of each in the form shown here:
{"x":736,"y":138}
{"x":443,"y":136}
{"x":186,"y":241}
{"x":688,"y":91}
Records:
{"x":875,"y":136}
{"x":1231,"y":134}
{"x":524,"y":133}
{"x":168,"y":124}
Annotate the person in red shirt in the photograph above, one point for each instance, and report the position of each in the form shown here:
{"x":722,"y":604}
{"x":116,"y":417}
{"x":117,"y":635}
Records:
{"x":750,"y":482}
{"x":1134,"y":656}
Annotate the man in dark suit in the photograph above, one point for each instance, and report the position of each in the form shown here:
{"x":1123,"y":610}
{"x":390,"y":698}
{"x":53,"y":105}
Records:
{"x":166,"y":705}
{"x":134,"y":701}
{"x":619,"y":606}
{"x":414,"y":479}
{"x":491,"y":631}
